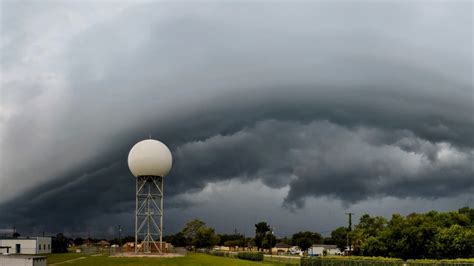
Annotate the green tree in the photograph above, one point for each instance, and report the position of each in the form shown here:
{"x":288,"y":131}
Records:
{"x":233,"y":243}
{"x":339,"y":236}
{"x":371,"y":226}
{"x":59,"y":244}
{"x":78,"y":241}
{"x":373,"y":246}
{"x":269,"y":241}
{"x":432,"y":235}
{"x":177,"y":240}
{"x":306,"y":239}
{"x":261,"y":230}
{"x":192,"y":227}
{"x":328,"y":241}
{"x":205,"y":238}
{"x":453,"y":242}
{"x":235,"y":239}
{"x":468,"y":212}
{"x":285,"y":240}
{"x":368,"y":227}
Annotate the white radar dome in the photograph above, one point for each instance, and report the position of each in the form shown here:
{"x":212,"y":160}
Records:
{"x":149,"y":158}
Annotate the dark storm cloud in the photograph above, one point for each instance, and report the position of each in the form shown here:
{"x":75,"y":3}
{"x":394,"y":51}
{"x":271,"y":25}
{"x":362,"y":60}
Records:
{"x":316,"y":159}
{"x":324,"y":159}
{"x":345,"y":101}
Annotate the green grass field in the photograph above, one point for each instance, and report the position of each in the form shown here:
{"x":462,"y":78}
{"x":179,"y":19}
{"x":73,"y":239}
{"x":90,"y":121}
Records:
{"x":193,"y":259}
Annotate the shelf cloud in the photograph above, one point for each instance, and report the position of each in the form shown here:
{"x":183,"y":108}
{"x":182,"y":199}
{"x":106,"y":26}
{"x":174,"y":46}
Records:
{"x":345,"y":102}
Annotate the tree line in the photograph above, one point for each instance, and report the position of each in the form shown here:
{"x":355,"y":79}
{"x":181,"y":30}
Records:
{"x":196,"y":234}
{"x":432,"y":235}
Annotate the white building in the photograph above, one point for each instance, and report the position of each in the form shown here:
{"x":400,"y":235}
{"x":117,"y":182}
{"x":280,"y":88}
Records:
{"x":18,"y":260}
{"x":28,"y":245}
{"x":295,"y":250}
{"x":320,"y":250}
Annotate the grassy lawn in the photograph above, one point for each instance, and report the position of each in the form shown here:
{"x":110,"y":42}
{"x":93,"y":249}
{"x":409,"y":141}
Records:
{"x":196,"y":259}
{"x":283,"y":260}
{"x":58,"y":257}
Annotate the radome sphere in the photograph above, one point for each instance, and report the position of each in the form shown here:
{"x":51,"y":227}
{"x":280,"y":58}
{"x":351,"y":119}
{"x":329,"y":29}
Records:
{"x":150,"y":158}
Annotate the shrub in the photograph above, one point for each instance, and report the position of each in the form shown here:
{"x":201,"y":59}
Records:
{"x":445,"y":261}
{"x":217,"y":253}
{"x":350,"y":261}
{"x":253,"y":256}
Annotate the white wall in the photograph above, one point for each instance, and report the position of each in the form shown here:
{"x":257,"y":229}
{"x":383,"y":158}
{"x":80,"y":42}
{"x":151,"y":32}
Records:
{"x":12,"y":260}
{"x":333,"y":251}
{"x":313,"y":251}
{"x":43,"y":245}
{"x":28,"y":245}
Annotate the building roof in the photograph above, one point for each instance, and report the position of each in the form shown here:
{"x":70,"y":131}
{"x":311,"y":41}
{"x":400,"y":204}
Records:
{"x":103,"y":242}
{"x":24,"y":238}
{"x":21,"y":256}
{"x":18,"y":239}
{"x":282,"y":245}
{"x":325,"y":246}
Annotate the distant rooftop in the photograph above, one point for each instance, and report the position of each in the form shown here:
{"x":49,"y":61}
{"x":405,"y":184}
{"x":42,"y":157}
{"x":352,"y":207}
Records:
{"x":324,"y":246}
{"x":21,"y":256}
{"x":24,"y":237}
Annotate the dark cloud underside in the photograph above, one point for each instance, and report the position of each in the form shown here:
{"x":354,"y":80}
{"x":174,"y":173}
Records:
{"x":327,"y":101}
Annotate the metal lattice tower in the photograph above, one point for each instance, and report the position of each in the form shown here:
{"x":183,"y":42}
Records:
{"x":149,"y":161}
{"x":149,"y":214}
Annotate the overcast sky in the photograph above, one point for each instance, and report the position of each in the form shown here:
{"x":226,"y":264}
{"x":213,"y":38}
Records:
{"x":287,"y":112}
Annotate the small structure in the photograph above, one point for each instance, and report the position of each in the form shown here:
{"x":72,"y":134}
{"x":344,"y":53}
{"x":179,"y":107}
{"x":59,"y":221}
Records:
{"x":321,"y":250}
{"x":103,"y":243}
{"x":221,"y":248}
{"x":295,"y":250}
{"x":26,"y":245}
{"x":18,"y":260}
{"x":130,"y":247}
{"x":281,"y":248}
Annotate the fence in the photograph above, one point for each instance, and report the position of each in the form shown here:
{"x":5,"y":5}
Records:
{"x":283,"y":259}
{"x":88,"y":250}
{"x":118,"y":250}
{"x":180,"y":251}
{"x":441,"y":263}
{"x":314,"y":261}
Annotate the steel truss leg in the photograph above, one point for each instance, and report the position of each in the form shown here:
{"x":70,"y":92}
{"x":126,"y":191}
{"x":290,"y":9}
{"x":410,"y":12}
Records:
{"x":149,"y":214}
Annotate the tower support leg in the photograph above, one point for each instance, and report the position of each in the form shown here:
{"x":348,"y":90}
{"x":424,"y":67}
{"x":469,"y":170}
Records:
{"x":149,"y":214}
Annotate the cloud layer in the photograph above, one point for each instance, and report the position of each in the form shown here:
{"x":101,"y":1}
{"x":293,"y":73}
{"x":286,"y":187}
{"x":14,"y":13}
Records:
{"x":325,"y":159}
{"x":341,"y":101}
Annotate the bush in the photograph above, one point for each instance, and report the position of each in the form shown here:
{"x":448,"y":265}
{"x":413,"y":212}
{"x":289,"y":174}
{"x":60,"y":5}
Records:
{"x":217,"y":253}
{"x":350,"y":261}
{"x":446,"y":262}
{"x":379,"y":261}
{"x":358,"y":258}
{"x":253,"y":256}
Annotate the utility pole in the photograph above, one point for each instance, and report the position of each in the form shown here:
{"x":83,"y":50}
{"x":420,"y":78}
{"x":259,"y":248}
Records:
{"x":120,"y":234}
{"x":349,"y":229}
{"x":271,"y":239}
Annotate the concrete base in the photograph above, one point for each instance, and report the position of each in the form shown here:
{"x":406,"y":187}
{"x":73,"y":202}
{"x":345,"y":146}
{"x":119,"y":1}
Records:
{"x":151,"y":255}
